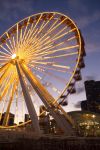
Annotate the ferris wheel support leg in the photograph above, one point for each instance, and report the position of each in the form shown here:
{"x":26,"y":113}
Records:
{"x":48,"y":100}
{"x":29,"y":104}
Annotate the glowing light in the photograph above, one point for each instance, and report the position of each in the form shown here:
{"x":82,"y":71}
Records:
{"x":13,"y":56}
{"x":93,"y":116}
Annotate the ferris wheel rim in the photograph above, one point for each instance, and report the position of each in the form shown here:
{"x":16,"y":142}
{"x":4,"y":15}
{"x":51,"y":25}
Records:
{"x":54,"y":12}
{"x":79,"y":54}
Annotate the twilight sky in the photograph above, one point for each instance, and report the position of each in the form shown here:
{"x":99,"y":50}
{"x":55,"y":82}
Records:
{"x":86,"y":14}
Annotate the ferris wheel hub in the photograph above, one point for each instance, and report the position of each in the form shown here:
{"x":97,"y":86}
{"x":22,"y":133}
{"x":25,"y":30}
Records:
{"x":13,"y":56}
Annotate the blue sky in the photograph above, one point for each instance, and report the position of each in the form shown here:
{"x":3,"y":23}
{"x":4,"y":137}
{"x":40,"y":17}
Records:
{"x":86,"y":14}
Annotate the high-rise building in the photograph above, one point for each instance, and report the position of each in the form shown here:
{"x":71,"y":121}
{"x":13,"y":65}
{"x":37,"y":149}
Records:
{"x":10,"y":119}
{"x":93,"y":96}
{"x":27,"y":117}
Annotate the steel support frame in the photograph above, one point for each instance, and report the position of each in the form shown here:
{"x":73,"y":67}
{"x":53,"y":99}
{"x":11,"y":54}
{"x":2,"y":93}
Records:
{"x":28,"y":100}
{"x":48,"y":100}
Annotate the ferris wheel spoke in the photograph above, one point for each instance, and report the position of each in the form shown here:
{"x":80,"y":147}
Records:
{"x":5,"y":74}
{"x":7,"y":44}
{"x":23,"y":108}
{"x":52,"y":29}
{"x":55,"y":89}
{"x":27,"y":35}
{"x":4,"y":54}
{"x":32,"y":52}
{"x":57,"y":56}
{"x":5,"y":121}
{"x":30,"y":34}
{"x":11,"y":42}
{"x":27,"y":44}
{"x":58,"y":37}
{"x":72,"y":38}
{"x":49,"y":64}
{"x":37,"y":23}
{"x":17,"y":38}
{"x":5,"y":78}
{"x":54,"y":51}
{"x":64,"y":48}
{"x":8,"y":53}
{"x":3,"y":62}
{"x":20,"y":38}
{"x":4,"y":66}
{"x":38,"y":32}
{"x":31,"y":29}
{"x":14,"y":45}
{"x":17,"y":35}
{"x":50,"y":74}
{"x":5,"y":90}
{"x":45,"y":48}
{"x":60,"y":31}
{"x":46,"y":23}
{"x":62,"y":35}
{"x":55,"y":76}
{"x":57,"y":65}
{"x":3,"y":107}
{"x":32,"y":39}
{"x":16,"y":107}
{"x":25,"y":30}
{"x":57,"y":50}
{"x":42,"y":42}
{"x":43,"y":45}
{"x":42,"y":27}
{"x":5,"y":59}
{"x":49,"y":68}
{"x":15,"y":101}
{"x":58,"y":44}
{"x":9,"y":48}
{"x":20,"y":43}
{"x":2,"y":85}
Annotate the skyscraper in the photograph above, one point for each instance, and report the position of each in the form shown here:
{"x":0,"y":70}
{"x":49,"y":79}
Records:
{"x":93,"y":96}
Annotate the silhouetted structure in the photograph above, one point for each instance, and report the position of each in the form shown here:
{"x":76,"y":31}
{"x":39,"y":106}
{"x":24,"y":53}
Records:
{"x":93,"y":96}
{"x":27,"y":117}
{"x":10,"y":119}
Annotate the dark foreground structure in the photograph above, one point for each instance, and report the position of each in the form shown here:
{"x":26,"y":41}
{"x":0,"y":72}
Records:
{"x":22,"y":141}
{"x":92,"y":103}
{"x":53,"y":144}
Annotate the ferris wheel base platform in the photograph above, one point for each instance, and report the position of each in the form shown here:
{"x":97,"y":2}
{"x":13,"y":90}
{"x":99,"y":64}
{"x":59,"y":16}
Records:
{"x":47,"y":142}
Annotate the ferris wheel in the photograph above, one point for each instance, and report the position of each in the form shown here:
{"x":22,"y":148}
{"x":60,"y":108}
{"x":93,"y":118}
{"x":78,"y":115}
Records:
{"x":40,"y":60}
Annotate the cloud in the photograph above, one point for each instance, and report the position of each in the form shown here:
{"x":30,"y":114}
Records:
{"x":87,"y":20}
{"x":87,"y":17}
{"x":77,"y":5}
{"x":11,"y":11}
{"x":89,"y":77}
{"x":15,"y":8}
{"x":77,"y":105}
{"x":80,"y":89}
{"x":90,"y":27}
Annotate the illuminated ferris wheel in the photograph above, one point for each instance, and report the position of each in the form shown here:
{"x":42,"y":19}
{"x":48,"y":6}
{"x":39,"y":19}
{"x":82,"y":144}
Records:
{"x":40,"y":60}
